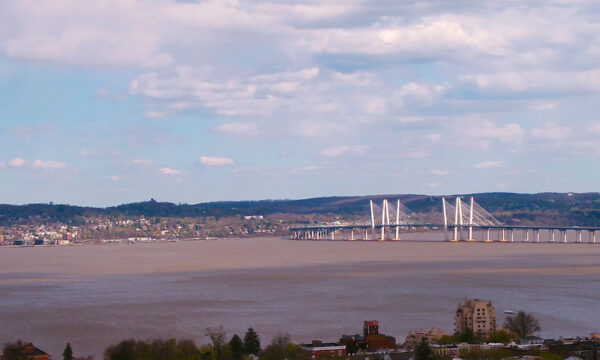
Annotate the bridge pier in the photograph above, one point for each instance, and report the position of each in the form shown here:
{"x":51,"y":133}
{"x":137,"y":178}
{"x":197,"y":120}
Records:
{"x":455,"y":233}
{"x":578,"y":236}
{"x":488,"y":235}
{"x":470,"y":234}
{"x":512,"y":235}
{"x":526,"y":235}
{"x":503,"y":236}
{"x":552,"y":239}
{"x":564,"y":235}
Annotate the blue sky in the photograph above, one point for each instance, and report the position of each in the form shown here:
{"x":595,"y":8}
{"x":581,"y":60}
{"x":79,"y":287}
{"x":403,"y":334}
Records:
{"x":109,"y":102}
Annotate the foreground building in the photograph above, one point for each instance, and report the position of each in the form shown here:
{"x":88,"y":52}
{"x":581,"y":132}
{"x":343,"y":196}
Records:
{"x":376,"y":341}
{"x":330,"y":350}
{"x":29,"y":352}
{"x":478,"y":315}
{"x":370,"y":340}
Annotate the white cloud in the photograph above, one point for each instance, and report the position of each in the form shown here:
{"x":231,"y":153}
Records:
{"x":239,"y":128}
{"x":375,"y":105}
{"x":443,"y":34}
{"x":16,"y":162}
{"x":552,"y":132}
{"x":542,"y":81}
{"x":316,"y":128}
{"x":49,"y":164}
{"x":152,"y":114}
{"x":439,"y":172}
{"x":486,"y":130}
{"x":303,"y":91}
{"x":345,"y":150}
{"x":490,"y":164}
{"x":413,"y":95}
{"x":215,"y":161}
{"x":594,"y":127}
{"x":545,"y":106}
{"x":168,"y":171}
{"x":114,"y":178}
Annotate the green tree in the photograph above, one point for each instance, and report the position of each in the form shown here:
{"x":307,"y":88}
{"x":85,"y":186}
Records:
{"x":496,"y":354}
{"x":424,"y":352}
{"x":125,"y":350}
{"x":14,"y":351}
{"x":500,"y":336}
{"x":237,"y":347}
{"x":158,"y":349}
{"x":294,"y":352}
{"x":206,"y":352}
{"x":466,"y":336}
{"x":522,"y":324}
{"x":278,"y":349}
{"x":187,"y":350}
{"x":447,"y":340}
{"x":550,"y":356}
{"x":251,"y":342}
{"x":68,"y":353}
{"x":351,"y":347}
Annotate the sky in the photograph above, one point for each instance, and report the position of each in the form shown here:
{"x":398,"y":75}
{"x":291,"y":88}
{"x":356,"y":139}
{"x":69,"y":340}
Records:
{"x":107,"y":102}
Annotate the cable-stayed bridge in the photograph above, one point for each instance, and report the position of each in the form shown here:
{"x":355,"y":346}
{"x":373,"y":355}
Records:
{"x":460,"y":220}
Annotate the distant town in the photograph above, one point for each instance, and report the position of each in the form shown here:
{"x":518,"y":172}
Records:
{"x":108,"y":229}
{"x":476,"y":336}
{"x":51,"y":224}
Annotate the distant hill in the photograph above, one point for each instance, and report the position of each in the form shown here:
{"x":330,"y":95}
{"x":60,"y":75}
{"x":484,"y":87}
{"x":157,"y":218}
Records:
{"x":544,"y":208}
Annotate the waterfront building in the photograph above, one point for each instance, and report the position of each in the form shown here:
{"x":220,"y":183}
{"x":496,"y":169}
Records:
{"x":478,"y":315}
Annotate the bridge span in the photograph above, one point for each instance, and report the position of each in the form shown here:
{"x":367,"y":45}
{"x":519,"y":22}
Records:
{"x":468,"y":218}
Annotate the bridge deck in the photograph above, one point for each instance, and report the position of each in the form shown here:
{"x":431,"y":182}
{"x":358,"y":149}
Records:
{"x":465,"y":226}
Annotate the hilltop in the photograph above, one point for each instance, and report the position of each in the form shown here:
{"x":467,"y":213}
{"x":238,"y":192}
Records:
{"x":512,"y":208}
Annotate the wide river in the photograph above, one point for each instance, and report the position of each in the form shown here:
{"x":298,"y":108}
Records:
{"x":95,"y":296}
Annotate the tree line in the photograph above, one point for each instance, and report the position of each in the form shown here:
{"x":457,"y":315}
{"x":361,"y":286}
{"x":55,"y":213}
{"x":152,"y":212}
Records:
{"x":219,"y":347}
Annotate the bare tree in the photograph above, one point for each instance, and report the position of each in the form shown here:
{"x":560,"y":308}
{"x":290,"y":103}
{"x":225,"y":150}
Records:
{"x":217,"y":338}
{"x":522,"y":324}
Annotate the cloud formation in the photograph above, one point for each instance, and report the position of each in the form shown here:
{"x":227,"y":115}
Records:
{"x":314,"y":85}
{"x":215,"y":161}
{"x":169,"y":171}
{"x":16,"y":162}
{"x":489,"y":164}
{"x":49,"y":164}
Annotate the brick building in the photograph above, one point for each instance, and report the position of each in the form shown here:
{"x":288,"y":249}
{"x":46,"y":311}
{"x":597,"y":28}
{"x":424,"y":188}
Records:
{"x":376,"y":341}
{"x":318,"y":348}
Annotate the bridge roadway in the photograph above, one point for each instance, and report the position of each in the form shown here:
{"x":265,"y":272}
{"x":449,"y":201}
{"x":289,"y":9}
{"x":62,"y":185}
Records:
{"x":321,"y":232}
{"x":465,"y":226}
